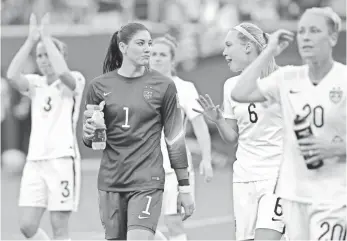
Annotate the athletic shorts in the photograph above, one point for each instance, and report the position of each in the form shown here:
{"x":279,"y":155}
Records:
{"x":255,"y":207}
{"x":314,"y":222}
{"x":49,"y":184}
{"x":123,"y":211}
{"x":171,"y":192}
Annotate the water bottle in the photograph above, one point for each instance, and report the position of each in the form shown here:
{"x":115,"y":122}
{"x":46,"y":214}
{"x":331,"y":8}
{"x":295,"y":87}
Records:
{"x":302,"y":129}
{"x":99,"y":139}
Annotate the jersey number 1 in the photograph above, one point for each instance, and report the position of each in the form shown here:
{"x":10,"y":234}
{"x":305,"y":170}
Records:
{"x":126,"y":124}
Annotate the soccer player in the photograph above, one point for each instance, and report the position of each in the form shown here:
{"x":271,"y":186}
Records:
{"x":314,"y":200}
{"x":163,"y":60}
{"x":51,"y":174}
{"x":139,"y":103}
{"x":257,"y":128}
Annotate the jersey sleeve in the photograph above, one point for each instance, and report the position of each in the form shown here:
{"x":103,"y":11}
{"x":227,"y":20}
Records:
{"x":270,"y":87}
{"x":173,"y":128}
{"x":34,"y":82}
{"x":228,"y":103}
{"x":80,"y":82}
{"x":190,"y":101}
{"x":93,"y":94}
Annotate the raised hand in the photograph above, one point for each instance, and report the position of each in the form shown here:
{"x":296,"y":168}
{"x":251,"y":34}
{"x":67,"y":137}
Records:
{"x":45,"y":20}
{"x":280,"y":40}
{"x":210,"y":111}
{"x":34,"y":33}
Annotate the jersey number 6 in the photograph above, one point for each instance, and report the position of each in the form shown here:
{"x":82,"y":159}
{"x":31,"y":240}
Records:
{"x":253,"y":117}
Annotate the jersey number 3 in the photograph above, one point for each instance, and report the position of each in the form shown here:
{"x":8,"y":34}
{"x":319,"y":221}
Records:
{"x":253,"y":117}
{"x":48,"y":104}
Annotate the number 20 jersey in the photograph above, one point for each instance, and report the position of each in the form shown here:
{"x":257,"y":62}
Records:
{"x":325,"y":105}
{"x":54,"y":115}
{"x":259,"y":150}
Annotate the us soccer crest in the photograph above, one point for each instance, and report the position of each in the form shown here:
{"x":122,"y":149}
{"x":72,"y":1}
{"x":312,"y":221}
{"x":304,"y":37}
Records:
{"x":335,"y":95}
{"x":148,"y":93}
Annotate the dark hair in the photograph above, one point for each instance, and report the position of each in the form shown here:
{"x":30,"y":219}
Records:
{"x":114,"y":57}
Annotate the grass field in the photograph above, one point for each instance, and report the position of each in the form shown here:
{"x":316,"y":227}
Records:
{"x":213,"y":219}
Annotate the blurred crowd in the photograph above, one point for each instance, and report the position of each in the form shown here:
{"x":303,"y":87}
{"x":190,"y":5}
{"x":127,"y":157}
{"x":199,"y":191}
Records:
{"x":16,"y":12}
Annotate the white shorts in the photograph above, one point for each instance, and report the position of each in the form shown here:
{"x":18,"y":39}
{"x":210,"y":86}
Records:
{"x":312,"y":222}
{"x":49,"y":184}
{"x":169,"y":206}
{"x":255,"y":206}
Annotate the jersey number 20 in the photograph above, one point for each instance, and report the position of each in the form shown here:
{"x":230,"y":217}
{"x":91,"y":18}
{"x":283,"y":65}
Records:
{"x":253,"y":117}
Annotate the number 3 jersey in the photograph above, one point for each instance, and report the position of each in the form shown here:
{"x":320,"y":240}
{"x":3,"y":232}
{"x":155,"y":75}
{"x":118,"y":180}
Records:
{"x":259,"y":150}
{"x":325,"y":106}
{"x":54,"y":113}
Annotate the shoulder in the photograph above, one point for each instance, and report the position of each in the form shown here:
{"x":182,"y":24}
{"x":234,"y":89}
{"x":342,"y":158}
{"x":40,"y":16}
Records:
{"x":230,"y":83}
{"x":341,"y":68}
{"x":290,"y":72}
{"x":35,"y":79}
{"x":78,"y":75}
{"x":159,"y":77}
{"x":183,"y":84}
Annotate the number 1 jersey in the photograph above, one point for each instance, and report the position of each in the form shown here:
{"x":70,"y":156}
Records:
{"x":54,"y":115}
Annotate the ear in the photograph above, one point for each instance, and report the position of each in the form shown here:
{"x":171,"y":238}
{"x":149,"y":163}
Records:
{"x":123,"y":47}
{"x":248,"y":48}
{"x":333,"y":39}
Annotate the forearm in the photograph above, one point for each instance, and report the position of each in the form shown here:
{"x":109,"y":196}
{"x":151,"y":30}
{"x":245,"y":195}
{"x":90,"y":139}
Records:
{"x":58,"y":63}
{"x":203,"y":137}
{"x":19,"y":60}
{"x":247,"y":82}
{"x":182,"y":175}
{"x":227,"y":133}
{"x":87,"y":142}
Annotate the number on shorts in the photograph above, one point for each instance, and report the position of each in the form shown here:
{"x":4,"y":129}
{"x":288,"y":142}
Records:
{"x":278,"y":207}
{"x":146,"y":211}
{"x":66,"y":190}
{"x":337,"y":231}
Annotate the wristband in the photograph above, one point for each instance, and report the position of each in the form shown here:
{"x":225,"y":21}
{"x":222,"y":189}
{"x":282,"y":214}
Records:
{"x":183,"y":182}
{"x":184,"y":189}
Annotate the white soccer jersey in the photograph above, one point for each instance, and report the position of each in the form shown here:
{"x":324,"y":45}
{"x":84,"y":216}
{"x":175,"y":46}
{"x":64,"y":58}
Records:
{"x":260,"y":137}
{"x":325,"y":104}
{"x":187,"y":95}
{"x":54,"y":113}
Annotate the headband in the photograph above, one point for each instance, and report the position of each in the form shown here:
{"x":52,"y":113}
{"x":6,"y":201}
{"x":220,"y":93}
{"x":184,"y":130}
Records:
{"x":247,"y":34}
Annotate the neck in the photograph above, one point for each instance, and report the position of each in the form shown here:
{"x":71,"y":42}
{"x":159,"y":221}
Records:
{"x":318,"y":69}
{"x":51,"y":78}
{"x":128,"y":69}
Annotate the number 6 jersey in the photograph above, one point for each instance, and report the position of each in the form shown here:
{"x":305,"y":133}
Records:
{"x":259,"y":150}
{"x":325,"y":106}
{"x":54,"y":114}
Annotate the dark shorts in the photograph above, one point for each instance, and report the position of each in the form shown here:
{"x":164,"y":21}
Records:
{"x":123,"y":211}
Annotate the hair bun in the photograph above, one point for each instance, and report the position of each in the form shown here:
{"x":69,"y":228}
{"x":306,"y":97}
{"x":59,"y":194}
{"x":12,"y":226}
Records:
{"x":171,"y":39}
{"x":266,"y":37}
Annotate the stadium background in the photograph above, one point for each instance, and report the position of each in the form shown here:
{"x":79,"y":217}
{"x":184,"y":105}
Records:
{"x":200,"y":62}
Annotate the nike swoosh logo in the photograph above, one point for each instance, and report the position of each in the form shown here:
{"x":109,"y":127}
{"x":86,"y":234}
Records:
{"x":141,"y":217}
{"x":276,"y":219}
{"x":106,"y":94}
{"x":293,"y":91}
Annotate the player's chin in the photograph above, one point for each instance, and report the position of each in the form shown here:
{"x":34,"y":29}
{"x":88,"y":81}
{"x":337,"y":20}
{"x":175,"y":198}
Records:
{"x":144,"y":62}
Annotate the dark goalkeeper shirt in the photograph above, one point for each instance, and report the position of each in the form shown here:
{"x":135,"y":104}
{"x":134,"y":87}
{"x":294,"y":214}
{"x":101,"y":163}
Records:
{"x":136,"y":110}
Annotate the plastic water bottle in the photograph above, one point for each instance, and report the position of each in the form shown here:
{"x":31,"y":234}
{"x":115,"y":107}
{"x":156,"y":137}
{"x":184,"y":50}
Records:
{"x":99,"y":139}
{"x":302,"y":129}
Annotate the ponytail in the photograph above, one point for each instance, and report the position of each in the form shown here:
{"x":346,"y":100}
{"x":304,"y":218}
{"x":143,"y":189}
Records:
{"x":114,"y":57}
{"x":272,"y":66}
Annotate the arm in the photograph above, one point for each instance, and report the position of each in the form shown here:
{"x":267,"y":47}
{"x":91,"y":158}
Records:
{"x":14,"y":72}
{"x":58,"y":63}
{"x":92,"y":98}
{"x":228,"y":130}
{"x":246,"y":88}
{"x":203,"y":137}
{"x":174,"y":135}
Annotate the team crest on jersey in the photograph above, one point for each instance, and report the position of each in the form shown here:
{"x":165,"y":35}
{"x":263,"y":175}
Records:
{"x":148,"y":92}
{"x":336,"y":95}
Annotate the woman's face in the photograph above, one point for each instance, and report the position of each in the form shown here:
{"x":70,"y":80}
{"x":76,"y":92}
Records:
{"x":234,"y":52}
{"x":161,"y":59}
{"x":42,"y":60}
{"x":139,"y":48}
{"x":315,"y":41}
